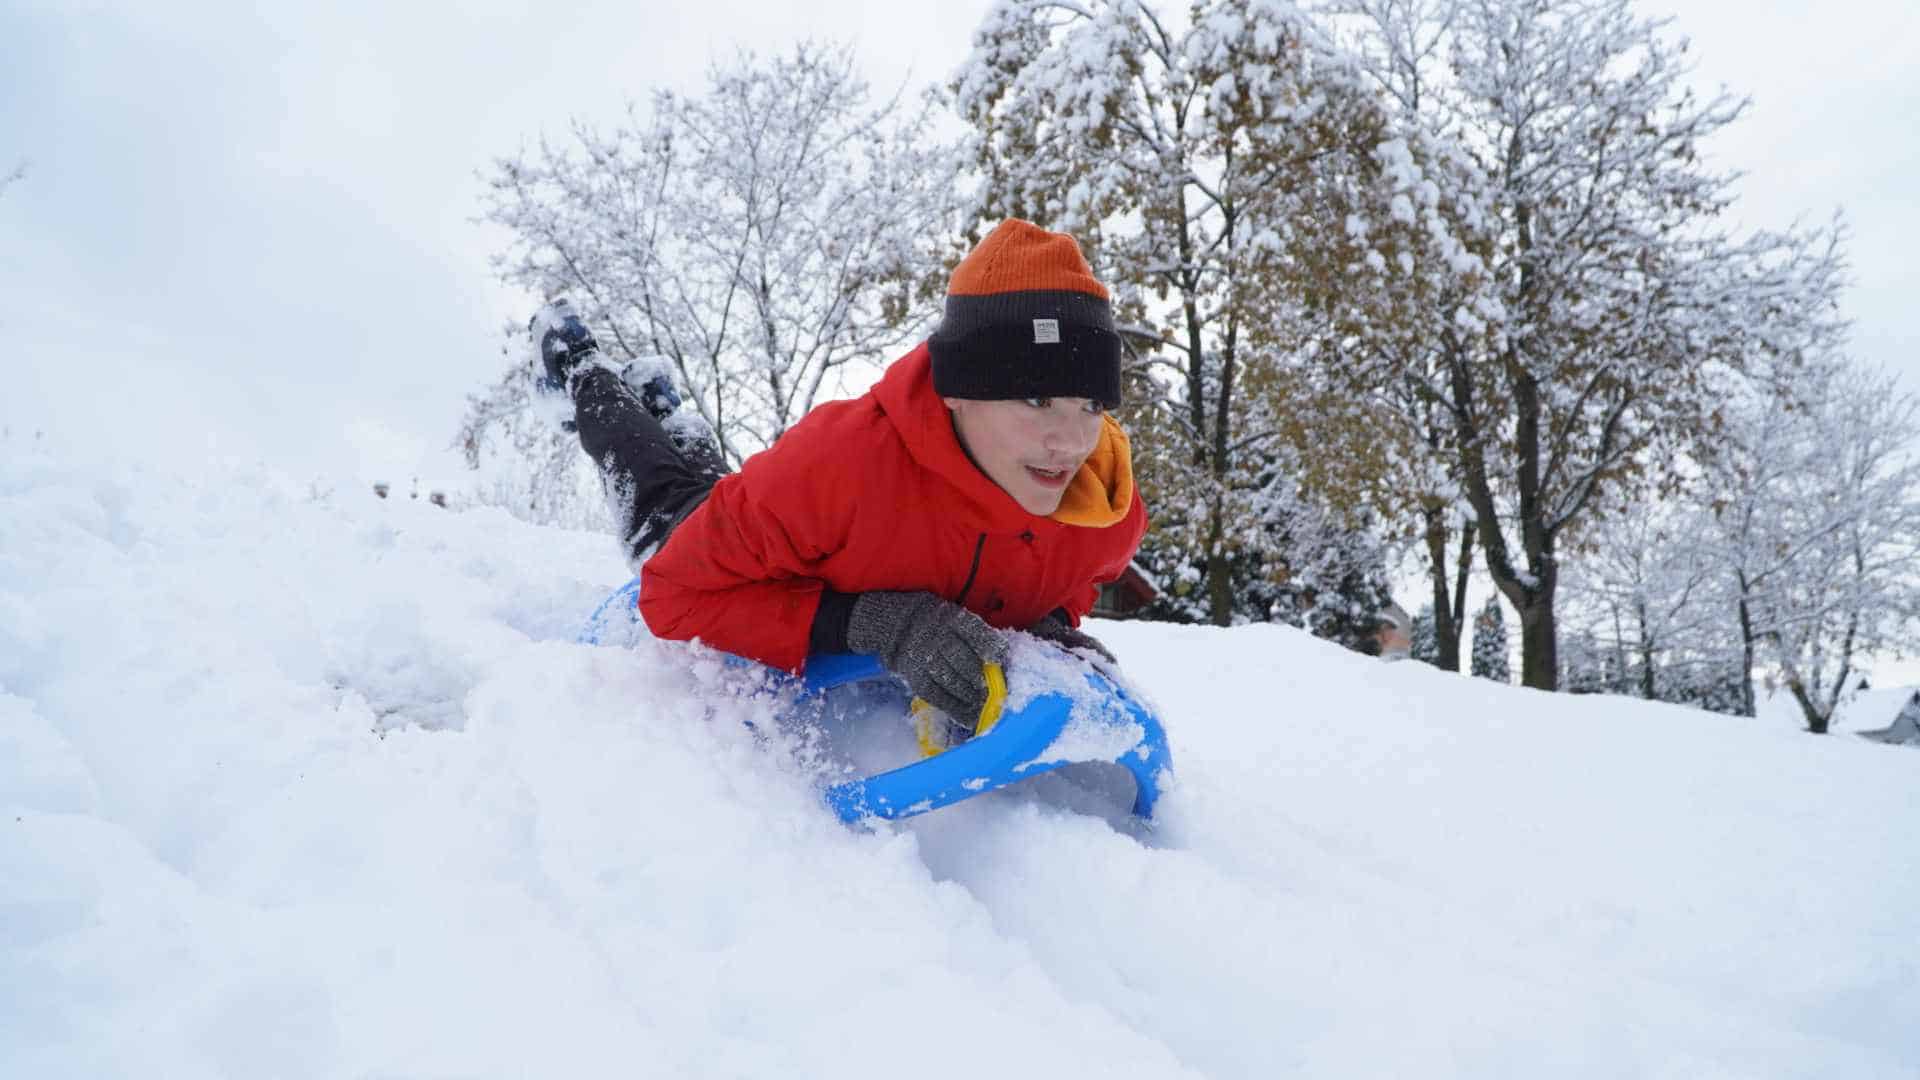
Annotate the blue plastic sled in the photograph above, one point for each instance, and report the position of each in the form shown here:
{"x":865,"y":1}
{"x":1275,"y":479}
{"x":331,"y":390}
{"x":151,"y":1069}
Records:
{"x":1011,"y":752}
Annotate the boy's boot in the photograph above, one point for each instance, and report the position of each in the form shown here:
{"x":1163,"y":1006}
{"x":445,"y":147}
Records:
{"x":566,"y":345}
{"x":568,"y":351}
{"x":651,"y":380}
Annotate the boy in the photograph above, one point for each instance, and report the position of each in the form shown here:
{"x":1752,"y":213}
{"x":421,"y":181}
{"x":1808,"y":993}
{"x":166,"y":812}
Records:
{"x":979,"y":485}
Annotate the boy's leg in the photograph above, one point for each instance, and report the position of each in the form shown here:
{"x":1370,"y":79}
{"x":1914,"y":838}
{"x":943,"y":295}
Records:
{"x":656,"y":466}
{"x":650,"y":486}
{"x":651,"y":380}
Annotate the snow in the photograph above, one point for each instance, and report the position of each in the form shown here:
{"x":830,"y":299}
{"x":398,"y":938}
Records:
{"x":324,"y":788}
{"x":1098,"y":727}
{"x":1865,"y":711}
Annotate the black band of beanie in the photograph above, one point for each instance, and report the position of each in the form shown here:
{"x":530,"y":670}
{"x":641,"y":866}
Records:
{"x":1002,"y":363}
{"x":1029,"y":343}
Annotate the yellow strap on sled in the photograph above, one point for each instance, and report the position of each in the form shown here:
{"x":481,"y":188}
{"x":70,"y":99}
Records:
{"x":932,"y":735}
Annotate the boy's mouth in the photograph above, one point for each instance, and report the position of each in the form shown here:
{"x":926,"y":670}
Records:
{"x":1050,"y":477}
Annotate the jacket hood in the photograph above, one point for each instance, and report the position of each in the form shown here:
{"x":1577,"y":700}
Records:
{"x":1102,"y":491}
{"x":1099,"y":495}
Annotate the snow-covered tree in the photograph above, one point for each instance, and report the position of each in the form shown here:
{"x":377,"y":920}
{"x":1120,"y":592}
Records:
{"x":524,"y":461}
{"x":1316,"y":566}
{"x":1793,"y":549}
{"x":1591,"y":664}
{"x":1422,"y":644}
{"x":1648,"y":592}
{"x":1618,"y":314}
{"x":1333,"y":570}
{"x":1490,"y":643}
{"x":762,"y":235}
{"x":1201,"y":158}
{"x":1818,"y":517}
{"x":1419,"y":287}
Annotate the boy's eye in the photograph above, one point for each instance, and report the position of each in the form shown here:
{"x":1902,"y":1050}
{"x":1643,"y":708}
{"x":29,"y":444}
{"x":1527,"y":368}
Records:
{"x":1091,"y":408}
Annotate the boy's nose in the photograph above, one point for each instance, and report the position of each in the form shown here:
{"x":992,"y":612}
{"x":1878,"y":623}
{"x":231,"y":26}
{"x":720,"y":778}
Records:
{"x":1070,"y":435}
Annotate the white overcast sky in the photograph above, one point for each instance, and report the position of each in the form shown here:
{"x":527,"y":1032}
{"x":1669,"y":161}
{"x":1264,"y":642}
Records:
{"x":246,"y":230}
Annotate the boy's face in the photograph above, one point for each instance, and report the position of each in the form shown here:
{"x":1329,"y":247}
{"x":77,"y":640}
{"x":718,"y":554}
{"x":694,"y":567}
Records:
{"x":1031,"y":448}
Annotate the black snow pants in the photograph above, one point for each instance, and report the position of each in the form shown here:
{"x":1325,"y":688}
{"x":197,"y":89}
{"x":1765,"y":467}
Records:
{"x":653,"y":479}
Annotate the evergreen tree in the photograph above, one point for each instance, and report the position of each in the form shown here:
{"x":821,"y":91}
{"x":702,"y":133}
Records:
{"x":1490,"y":643}
{"x":1425,"y":643}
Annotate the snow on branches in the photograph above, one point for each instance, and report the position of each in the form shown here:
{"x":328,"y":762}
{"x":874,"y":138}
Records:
{"x":1649,"y":611}
{"x":1794,"y":552}
{"x":762,"y":235}
{"x":1817,"y":520}
{"x":1615,"y":314}
{"x":1207,"y":165}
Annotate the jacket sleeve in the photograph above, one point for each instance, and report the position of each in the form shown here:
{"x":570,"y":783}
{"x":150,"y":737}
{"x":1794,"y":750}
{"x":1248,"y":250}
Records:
{"x":739,"y":572}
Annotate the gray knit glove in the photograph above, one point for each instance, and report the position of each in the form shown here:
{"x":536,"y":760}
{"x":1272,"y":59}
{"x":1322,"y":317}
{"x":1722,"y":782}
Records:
{"x":939,"y":648}
{"x":1056,"y":629}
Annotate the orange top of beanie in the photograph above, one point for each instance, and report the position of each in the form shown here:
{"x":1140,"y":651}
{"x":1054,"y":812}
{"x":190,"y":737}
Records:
{"x":1019,"y":256}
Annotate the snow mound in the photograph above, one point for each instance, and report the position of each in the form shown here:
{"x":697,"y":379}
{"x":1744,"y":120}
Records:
{"x":302,"y":788}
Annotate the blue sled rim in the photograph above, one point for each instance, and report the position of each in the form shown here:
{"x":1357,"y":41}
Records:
{"x":1015,"y":750}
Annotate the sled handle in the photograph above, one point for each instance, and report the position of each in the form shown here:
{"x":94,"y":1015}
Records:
{"x":924,"y":728}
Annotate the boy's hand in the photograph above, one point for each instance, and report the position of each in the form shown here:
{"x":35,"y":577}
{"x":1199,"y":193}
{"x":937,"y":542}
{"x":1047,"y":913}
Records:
{"x":939,"y":648}
{"x":1055,"y":628}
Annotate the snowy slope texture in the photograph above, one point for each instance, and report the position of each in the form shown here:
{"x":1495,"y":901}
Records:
{"x":296,"y":788}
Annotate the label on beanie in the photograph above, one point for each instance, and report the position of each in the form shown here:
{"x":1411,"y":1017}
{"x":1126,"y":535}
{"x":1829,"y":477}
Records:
{"x":1046,"y":331}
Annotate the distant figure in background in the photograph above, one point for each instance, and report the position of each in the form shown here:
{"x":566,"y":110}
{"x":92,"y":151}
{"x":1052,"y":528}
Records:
{"x":1394,"y":639}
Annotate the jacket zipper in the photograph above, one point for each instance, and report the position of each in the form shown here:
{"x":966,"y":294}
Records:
{"x":972,"y":571}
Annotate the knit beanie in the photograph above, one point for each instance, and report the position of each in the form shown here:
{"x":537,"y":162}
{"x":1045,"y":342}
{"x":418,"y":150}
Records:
{"x":1025,"y":318}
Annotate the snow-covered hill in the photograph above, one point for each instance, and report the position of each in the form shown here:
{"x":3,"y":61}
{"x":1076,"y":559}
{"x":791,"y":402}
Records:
{"x":296,"y":788}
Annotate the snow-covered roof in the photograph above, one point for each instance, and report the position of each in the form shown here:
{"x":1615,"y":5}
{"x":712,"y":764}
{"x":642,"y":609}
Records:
{"x":1866,"y":713}
{"x":1874,"y":710}
{"x":1145,"y":576}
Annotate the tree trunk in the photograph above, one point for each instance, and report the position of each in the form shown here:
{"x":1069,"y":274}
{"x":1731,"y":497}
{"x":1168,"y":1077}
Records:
{"x":1531,"y":593}
{"x":1747,"y":703}
{"x":1646,"y":653}
{"x":1816,"y":722}
{"x":1219,"y":574}
{"x":1539,"y":643}
{"x":1462,"y":568}
{"x":1449,"y":596}
{"x":1445,"y":640}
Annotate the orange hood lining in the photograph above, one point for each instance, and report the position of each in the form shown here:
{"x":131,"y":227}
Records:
{"x":1101,"y":493}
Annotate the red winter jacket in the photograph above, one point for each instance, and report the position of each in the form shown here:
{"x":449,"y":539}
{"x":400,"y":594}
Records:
{"x":876,"y":494}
